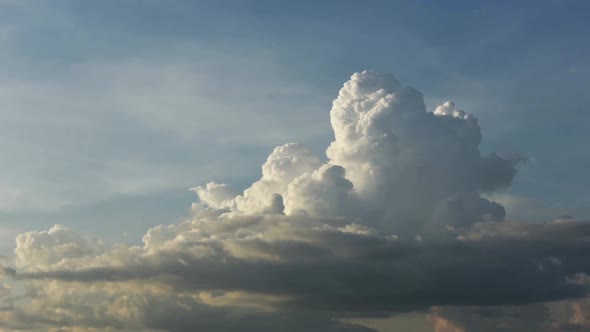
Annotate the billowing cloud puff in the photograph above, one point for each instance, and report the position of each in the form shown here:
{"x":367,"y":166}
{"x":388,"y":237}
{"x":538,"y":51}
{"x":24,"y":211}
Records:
{"x":265,"y":196}
{"x":392,"y":164}
{"x":55,"y":246}
{"x":391,"y":220}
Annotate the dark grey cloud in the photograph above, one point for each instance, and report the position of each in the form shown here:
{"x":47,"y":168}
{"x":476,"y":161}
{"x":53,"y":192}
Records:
{"x":493,"y":264}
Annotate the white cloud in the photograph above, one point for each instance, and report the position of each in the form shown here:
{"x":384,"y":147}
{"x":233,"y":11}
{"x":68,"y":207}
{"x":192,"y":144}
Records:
{"x":53,"y":247}
{"x":391,"y":161}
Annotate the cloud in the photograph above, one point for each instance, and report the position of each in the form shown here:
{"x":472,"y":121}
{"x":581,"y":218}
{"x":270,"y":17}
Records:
{"x":392,"y":219}
{"x":346,"y":267}
{"x":57,"y":245}
{"x":391,"y":162}
{"x":296,"y":266}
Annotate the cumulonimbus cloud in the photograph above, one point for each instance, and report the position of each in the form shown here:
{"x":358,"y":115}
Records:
{"x":391,"y":219}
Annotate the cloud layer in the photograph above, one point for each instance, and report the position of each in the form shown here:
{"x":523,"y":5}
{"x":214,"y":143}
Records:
{"x":391,"y":220}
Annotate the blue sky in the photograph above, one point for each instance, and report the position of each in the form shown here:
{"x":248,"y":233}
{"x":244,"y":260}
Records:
{"x":111,"y":110}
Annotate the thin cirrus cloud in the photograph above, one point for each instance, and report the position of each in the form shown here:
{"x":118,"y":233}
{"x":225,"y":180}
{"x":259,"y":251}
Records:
{"x":393,"y":219}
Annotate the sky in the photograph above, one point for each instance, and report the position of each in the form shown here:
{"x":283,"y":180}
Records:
{"x":294,"y":165}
